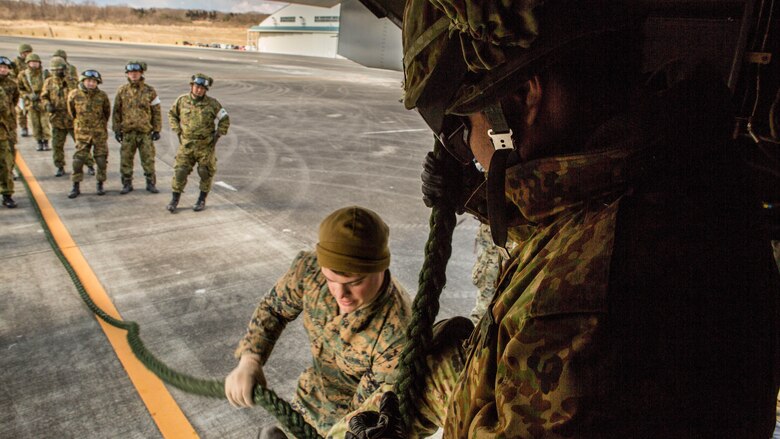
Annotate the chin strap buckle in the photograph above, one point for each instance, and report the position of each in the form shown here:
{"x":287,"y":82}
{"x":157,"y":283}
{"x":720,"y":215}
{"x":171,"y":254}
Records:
{"x":501,"y":140}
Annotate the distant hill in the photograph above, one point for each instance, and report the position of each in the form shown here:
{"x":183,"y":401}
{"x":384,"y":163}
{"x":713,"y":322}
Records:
{"x":90,"y":13}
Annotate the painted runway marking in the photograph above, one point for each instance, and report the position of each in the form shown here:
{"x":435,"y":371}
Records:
{"x":225,"y":185}
{"x":164,"y":410}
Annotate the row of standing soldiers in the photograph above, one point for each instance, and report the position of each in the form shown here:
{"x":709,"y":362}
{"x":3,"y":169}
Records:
{"x":60,"y":104}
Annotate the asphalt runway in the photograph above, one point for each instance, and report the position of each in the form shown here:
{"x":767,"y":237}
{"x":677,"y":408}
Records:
{"x":307,"y":136}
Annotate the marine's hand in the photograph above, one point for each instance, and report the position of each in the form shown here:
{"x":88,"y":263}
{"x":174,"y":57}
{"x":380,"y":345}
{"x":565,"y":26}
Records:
{"x":433,"y":180}
{"x":155,"y":136}
{"x":118,"y":136}
{"x":386,"y":424}
{"x":240,"y":383}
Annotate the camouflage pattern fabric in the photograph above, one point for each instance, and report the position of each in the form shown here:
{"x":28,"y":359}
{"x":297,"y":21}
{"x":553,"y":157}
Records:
{"x":21,"y":114}
{"x":58,"y":138}
{"x":73,"y":72}
{"x":90,"y":110}
{"x":137,"y":114}
{"x":30,"y":83}
{"x":55,"y":92}
{"x":8,"y":84}
{"x":6,"y":154}
{"x":353,"y":354}
{"x":192,"y":119}
{"x":142,"y":142}
{"x":484,"y":274}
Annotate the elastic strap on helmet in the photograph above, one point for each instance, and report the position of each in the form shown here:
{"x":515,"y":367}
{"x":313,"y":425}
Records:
{"x":496,"y":199}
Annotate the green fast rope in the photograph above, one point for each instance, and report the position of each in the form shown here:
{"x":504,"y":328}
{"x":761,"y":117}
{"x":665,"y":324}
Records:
{"x":279,"y":408}
{"x":412,"y":368}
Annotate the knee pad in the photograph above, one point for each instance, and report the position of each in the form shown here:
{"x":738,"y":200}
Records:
{"x":204,"y":172}
{"x":181,"y":174}
{"x":101,"y":161}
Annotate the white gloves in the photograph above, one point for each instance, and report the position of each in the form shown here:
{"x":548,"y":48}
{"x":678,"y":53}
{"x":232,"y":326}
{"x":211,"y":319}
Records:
{"x":240,"y":383}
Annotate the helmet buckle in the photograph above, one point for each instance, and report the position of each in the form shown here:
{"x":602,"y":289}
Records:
{"x":501,"y":140}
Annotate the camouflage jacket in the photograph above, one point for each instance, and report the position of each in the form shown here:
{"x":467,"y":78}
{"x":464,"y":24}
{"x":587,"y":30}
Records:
{"x":55,"y":92}
{"x":30,"y":85}
{"x":6,"y":132}
{"x":20,"y":66}
{"x":193,"y":118}
{"x":90,"y":110}
{"x":12,"y":92}
{"x":73,"y":72}
{"x":353,"y":354}
{"x":136,"y":108}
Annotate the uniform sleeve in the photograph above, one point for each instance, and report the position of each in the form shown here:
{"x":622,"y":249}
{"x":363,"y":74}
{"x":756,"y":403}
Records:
{"x":71,"y":104}
{"x":116,"y":116}
{"x":16,"y":95}
{"x":45,"y":92}
{"x":106,"y":109}
{"x":156,"y":112}
{"x":173,"y":117}
{"x":282,"y":304}
{"x":223,"y":120}
{"x":22,"y":81}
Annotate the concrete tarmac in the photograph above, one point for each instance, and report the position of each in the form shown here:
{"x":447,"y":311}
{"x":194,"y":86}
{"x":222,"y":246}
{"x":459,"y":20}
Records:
{"x":307,"y":136}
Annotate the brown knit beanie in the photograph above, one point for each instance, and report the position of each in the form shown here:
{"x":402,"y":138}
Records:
{"x":354,"y":240}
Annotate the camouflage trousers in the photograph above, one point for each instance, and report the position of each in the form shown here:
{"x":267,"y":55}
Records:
{"x":21,"y":118}
{"x":6,"y":167}
{"x":41,"y":129}
{"x":192,"y":152}
{"x":136,"y":141}
{"x":58,"y":138}
{"x":81,"y":156}
{"x":486,"y":270}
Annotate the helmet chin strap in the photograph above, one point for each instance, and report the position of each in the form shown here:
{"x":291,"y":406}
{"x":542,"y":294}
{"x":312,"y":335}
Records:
{"x":501,"y":136}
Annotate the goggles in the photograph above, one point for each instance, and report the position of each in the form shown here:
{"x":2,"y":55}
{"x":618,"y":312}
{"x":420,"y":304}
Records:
{"x":91,"y":74}
{"x":199,"y":80}
{"x":6,"y":61}
{"x":134,"y":68}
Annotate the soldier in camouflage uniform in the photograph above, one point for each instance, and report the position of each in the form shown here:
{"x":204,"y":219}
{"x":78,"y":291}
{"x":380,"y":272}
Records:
{"x":484,"y":274}
{"x":71,"y":70}
{"x":354,"y":313}
{"x":54,"y":97}
{"x":90,"y":109}
{"x":9,"y":95}
{"x":192,"y":118}
{"x":137,"y":122}
{"x":8,"y":83}
{"x":30,"y":86}
{"x":20,"y":65}
{"x":643,"y":303}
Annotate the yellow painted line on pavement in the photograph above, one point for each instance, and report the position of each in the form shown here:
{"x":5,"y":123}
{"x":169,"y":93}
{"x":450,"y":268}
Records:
{"x":165,"y":412}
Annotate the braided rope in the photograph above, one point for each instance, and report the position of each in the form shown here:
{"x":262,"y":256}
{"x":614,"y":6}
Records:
{"x":413,"y":368}
{"x":266,"y":398}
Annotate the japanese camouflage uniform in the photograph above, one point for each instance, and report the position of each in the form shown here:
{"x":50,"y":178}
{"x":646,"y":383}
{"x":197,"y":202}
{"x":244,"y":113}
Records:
{"x":90,"y":110}
{"x":8,"y":84}
{"x":484,"y":274}
{"x":30,"y":86}
{"x":353,"y":354}
{"x":55,"y":92}
{"x":136,"y":115}
{"x":7,"y":135}
{"x":21,"y":114}
{"x":192,"y":119}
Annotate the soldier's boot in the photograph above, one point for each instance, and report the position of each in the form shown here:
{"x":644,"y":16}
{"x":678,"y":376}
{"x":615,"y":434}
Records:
{"x":60,"y":172}
{"x":201,"y":203}
{"x":40,"y":146}
{"x":8,"y":201}
{"x":150,"y":184}
{"x":46,"y":145}
{"x":127,"y":186}
{"x":174,"y":202}
{"x":99,"y":188}
{"x":91,"y":170}
{"x":25,"y":133}
{"x":75,"y":191}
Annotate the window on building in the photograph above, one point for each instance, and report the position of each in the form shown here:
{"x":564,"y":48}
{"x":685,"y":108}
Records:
{"x":326,"y":19}
{"x":287,"y":19}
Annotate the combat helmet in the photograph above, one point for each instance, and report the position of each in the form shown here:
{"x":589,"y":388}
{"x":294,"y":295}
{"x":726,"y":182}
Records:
{"x":61,"y":53}
{"x":91,"y":74}
{"x":202,"y":80}
{"x":6,"y":61}
{"x":32,"y":57}
{"x":135,"y":66}
{"x":57,"y":63}
{"x":25,"y":48}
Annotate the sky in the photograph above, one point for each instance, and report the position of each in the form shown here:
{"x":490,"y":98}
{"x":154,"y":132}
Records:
{"x":261,"y":6}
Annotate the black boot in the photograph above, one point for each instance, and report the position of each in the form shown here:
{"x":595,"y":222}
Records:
{"x":174,"y":202}
{"x":46,"y":145}
{"x":60,"y":172}
{"x":201,"y":203}
{"x":91,"y":170}
{"x":75,"y":191}
{"x":150,"y":185}
{"x":99,"y":188}
{"x":127,"y":186}
{"x":8,"y":201}
{"x":25,"y":133}
{"x":40,"y":146}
